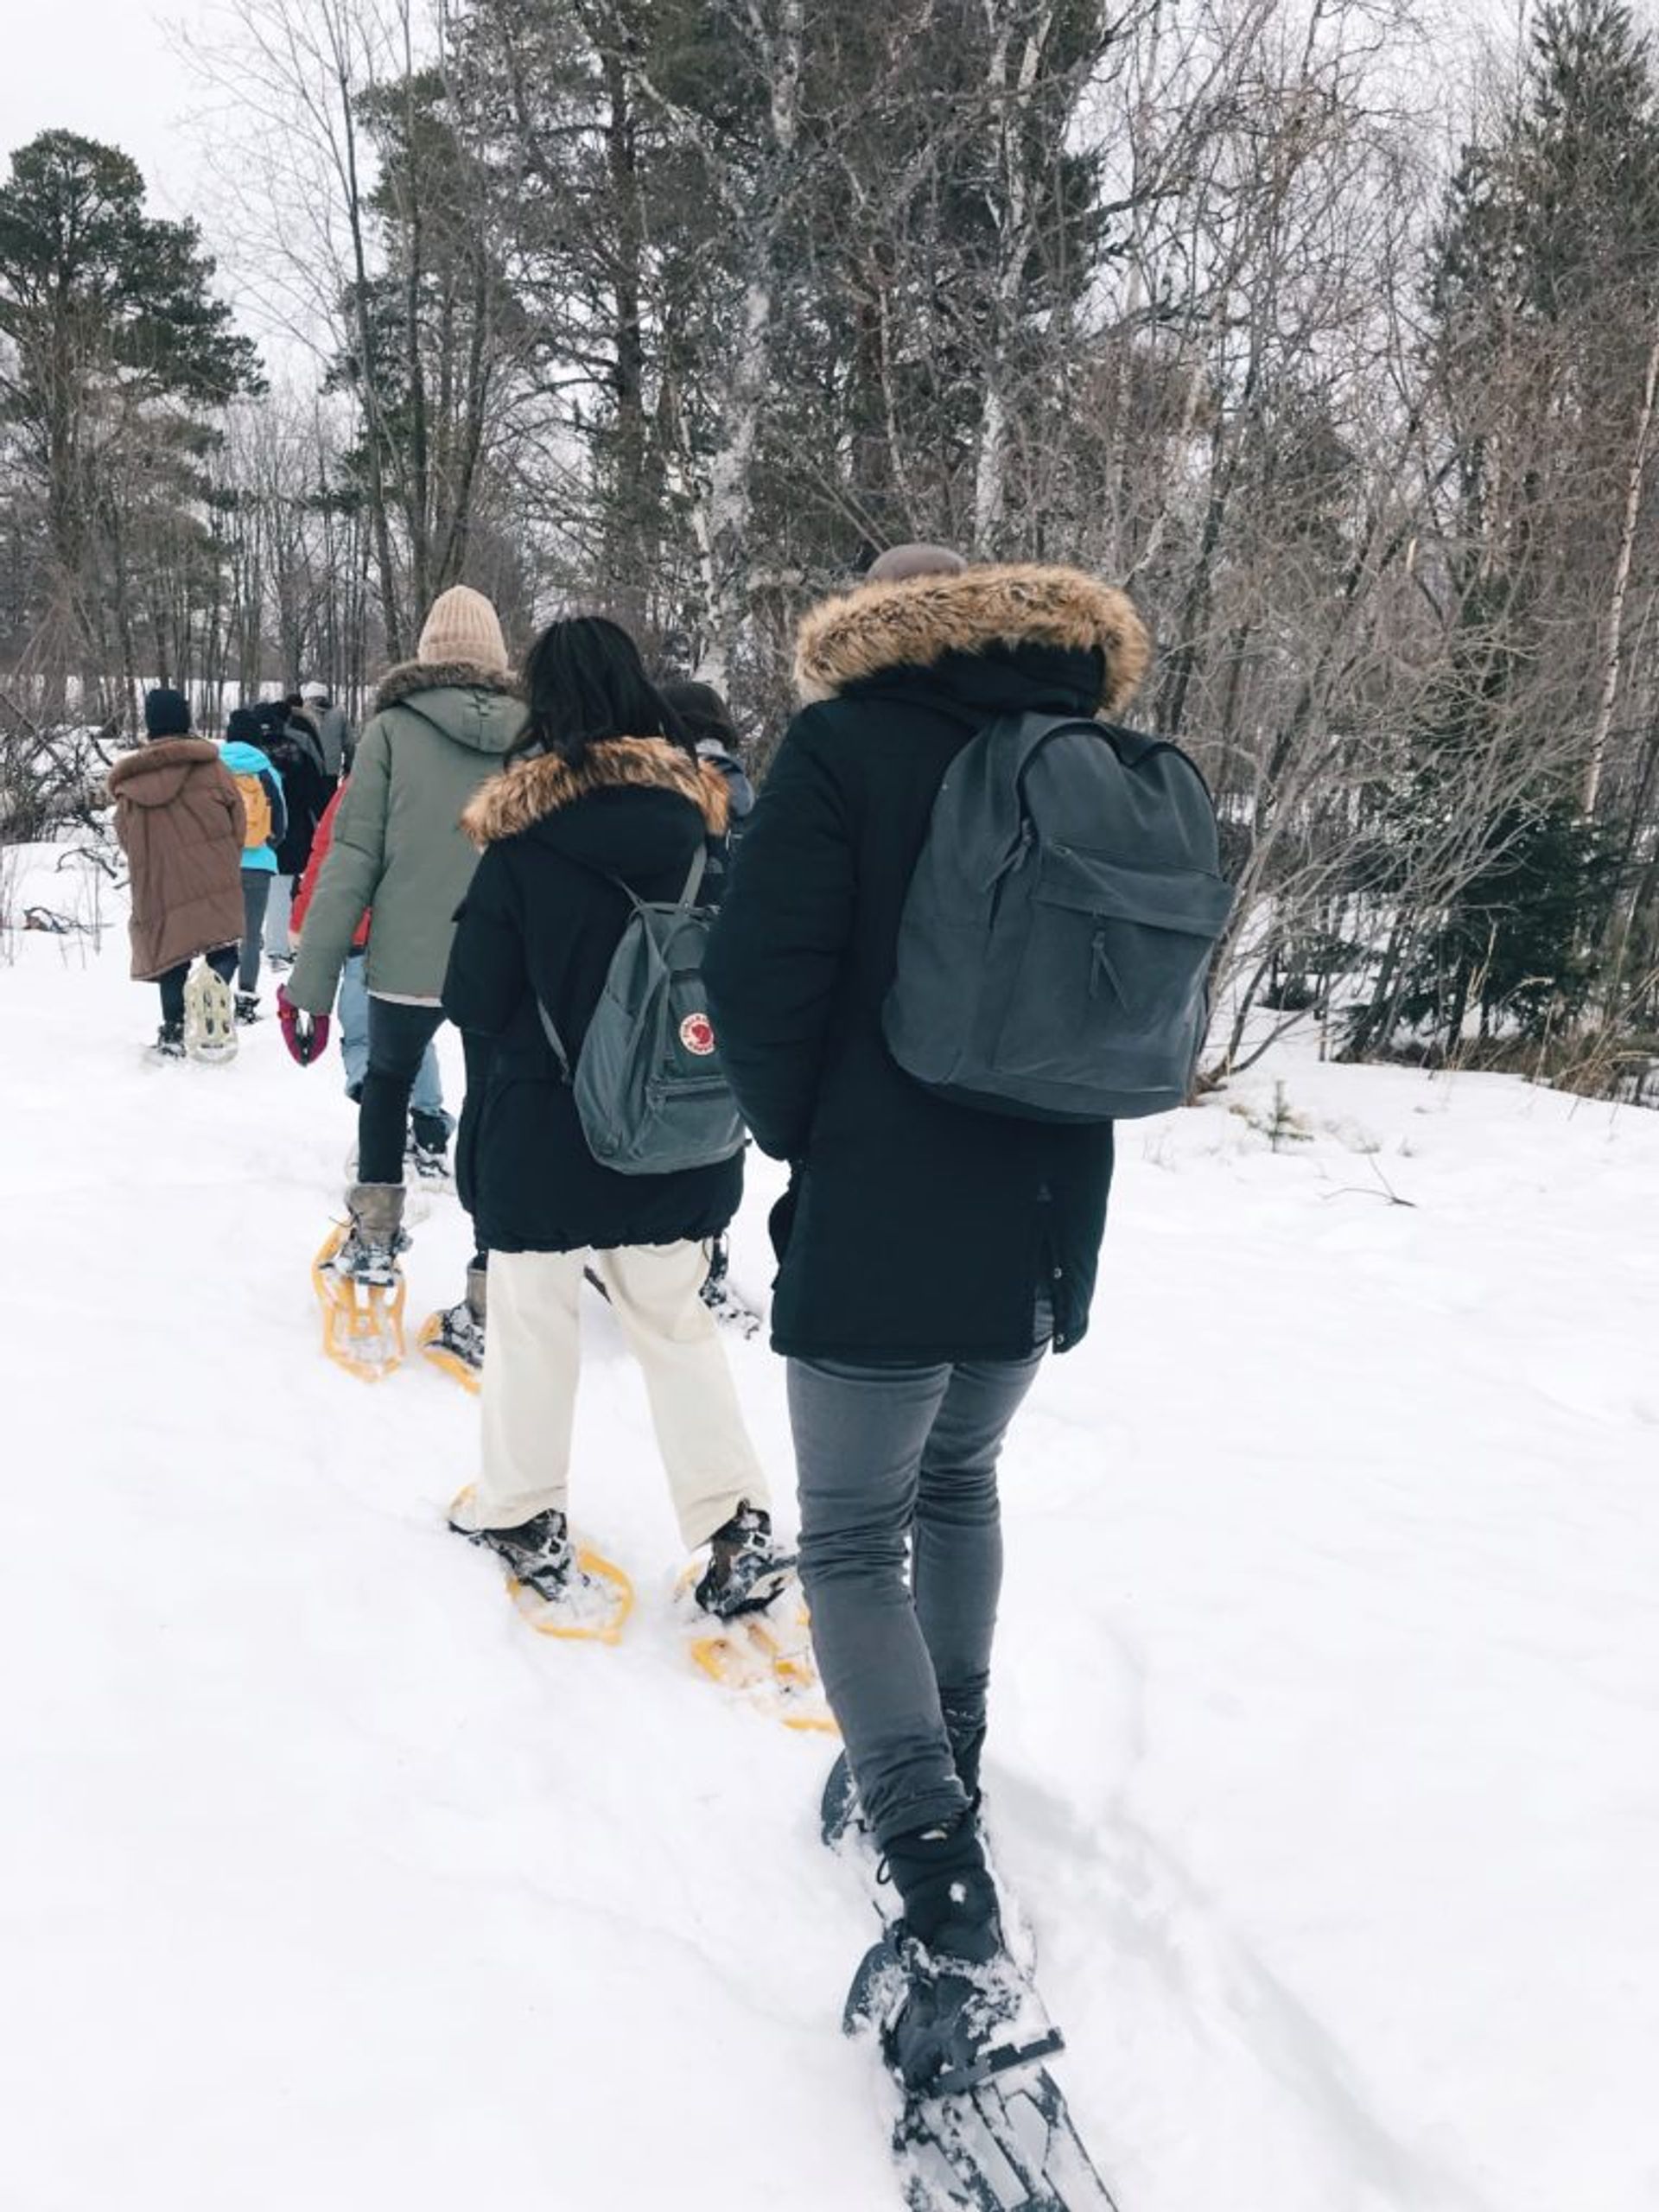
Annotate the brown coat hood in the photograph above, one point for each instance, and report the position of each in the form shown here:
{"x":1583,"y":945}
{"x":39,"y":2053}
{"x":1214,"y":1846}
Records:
{"x":510,"y":803}
{"x":156,"y":773}
{"x":915,"y":623}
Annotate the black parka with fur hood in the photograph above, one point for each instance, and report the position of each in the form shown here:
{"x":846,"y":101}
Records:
{"x":542,"y":919}
{"x":915,"y":1230}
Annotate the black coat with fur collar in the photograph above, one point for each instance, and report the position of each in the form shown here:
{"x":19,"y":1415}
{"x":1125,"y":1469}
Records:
{"x":541,"y":920}
{"x":915,"y":1230}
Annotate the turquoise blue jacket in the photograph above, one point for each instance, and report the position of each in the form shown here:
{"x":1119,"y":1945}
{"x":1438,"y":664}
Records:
{"x":248,"y":760}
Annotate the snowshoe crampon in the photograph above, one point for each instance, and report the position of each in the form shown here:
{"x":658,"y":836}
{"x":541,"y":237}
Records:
{"x":1009,"y":2146}
{"x":362,"y":1313}
{"x":209,"y":1017}
{"x":452,"y":1343}
{"x":991,"y":2133}
{"x":765,"y":1656}
{"x":590,"y":1604}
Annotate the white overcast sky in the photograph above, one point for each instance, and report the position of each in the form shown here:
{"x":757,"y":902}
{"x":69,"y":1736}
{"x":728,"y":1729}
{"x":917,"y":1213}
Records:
{"x":105,"y":67}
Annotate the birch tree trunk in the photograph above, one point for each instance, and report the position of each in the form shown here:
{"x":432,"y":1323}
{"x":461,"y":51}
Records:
{"x":1615,"y":626}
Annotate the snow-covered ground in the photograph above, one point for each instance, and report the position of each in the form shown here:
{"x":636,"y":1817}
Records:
{"x":1325,"y":1745}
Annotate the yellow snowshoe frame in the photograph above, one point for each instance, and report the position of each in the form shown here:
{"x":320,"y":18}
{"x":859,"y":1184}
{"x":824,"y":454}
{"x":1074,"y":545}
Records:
{"x":362,"y":1322}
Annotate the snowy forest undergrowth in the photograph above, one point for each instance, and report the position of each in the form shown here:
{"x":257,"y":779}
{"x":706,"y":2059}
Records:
{"x":1322,"y":1737}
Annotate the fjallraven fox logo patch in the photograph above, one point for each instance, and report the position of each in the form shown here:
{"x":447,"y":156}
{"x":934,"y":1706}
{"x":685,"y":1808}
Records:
{"x":697,"y":1035}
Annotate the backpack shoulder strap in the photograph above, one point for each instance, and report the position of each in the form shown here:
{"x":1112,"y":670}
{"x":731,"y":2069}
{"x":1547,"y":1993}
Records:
{"x":549,"y":1030}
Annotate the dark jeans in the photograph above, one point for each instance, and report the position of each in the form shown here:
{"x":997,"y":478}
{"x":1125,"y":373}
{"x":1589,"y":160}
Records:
{"x":256,"y":897}
{"x":398,"y":1037}
{"x":171,"y":986}
{"x":894,"y":1459}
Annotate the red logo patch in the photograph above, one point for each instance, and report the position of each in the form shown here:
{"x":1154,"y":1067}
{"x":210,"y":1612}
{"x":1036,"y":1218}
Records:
{"x":697,"y":1034}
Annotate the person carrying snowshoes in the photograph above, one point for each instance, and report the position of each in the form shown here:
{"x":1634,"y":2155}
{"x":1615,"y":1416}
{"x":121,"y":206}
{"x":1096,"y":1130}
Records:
{"x":614,"y":807}
{"x":266,"y":814}
{"x":928,"y":1252}
{"x":179,"y":818}
{"x":443,"y":723}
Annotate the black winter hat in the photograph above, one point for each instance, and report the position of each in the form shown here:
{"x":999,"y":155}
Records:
{"x":244,"y":726}
{"x":701,"y":708}
{"x":167,"y":714}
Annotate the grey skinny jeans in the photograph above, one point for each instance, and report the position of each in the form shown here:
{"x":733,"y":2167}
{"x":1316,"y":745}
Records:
{"x":892,"y":1461}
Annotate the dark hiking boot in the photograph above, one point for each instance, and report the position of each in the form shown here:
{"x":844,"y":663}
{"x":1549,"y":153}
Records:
{"x":247,"y":1006}
{"x":428,"y":1150}
{"x":457,"y":1332}
{"x":941,"y":1988}
{"x":169,"y":1041}
{"x":538,"y":1552}
{"x":745,"y":1570}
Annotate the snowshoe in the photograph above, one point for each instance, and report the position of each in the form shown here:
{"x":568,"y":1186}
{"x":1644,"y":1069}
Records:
{"x":945,"y":2023}
{"x":247,"y":1006}
{"x":360,"y":1285}
{"x":983,"y":2125}
{"x":762,"y":1647}
{"x":1009,"y":2146}
{"x":454,"y":1339}
{"x":209,"y":1016}
{"x":563,"y":1589}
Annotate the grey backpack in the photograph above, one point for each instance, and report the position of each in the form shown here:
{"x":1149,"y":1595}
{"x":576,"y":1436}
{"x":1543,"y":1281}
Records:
{"x":649,"y":1092}
{"x":1054,"y":952}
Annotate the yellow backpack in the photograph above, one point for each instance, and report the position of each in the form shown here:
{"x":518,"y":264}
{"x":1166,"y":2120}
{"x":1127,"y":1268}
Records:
{"x":257,"y":806}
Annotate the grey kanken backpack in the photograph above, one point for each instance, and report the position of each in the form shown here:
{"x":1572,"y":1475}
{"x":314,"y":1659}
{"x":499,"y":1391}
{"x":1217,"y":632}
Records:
{"x":650,"y":1093}
{"x":1056,"y":935}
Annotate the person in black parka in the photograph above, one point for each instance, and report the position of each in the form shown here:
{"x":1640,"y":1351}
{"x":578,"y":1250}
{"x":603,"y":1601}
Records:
{"x":929,"y":1253}
{"x":289,"y":744}
{"x":614,"y":797}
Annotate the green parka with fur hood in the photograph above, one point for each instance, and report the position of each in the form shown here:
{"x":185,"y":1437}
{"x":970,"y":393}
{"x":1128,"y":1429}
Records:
{"x":440,"y":729}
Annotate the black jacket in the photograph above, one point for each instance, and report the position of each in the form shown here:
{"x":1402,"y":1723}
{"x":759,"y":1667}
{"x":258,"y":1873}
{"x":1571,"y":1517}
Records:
{"x":542,"y":919}
{"x":305,"y":795}
{"x":915,"y":1230}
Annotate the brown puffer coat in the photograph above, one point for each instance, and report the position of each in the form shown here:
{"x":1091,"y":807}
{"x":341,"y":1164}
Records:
{"x":181,"y":822}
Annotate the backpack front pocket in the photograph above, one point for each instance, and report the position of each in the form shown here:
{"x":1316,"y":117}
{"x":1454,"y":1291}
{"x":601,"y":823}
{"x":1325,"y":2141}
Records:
{"x":1111,"y":987}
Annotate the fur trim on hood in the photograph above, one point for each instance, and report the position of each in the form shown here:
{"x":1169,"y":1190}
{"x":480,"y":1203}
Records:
{"x":413,"y":676}
{"x":915,"y":623}
{"x":531,"y":790}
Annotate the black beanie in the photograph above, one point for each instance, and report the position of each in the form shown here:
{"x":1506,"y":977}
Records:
{"x":702,"y":710}
{"x":167,"y":714}
{"x":244,"y":726}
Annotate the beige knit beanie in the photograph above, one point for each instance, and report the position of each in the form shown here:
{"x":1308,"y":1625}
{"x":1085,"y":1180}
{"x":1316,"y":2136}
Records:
{"x":463,"y":627}
{"x":900,"y":562}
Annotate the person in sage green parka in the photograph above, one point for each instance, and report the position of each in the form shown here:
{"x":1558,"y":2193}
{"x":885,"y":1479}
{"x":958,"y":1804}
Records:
{"x":443,"y":724}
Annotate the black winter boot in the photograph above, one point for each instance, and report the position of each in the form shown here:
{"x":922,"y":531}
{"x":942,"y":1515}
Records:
{"x":428,"y":1150}
{"x":949,"y":1898}
{"x":943,"y":1992}
{"x":539,"y":1551}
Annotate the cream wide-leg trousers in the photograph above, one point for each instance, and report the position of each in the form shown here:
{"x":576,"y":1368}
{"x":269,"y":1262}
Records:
{"x":533,"y":1357}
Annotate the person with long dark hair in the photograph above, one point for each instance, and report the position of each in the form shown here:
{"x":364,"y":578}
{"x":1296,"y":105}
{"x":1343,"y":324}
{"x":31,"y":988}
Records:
{"x":612,"y":801}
